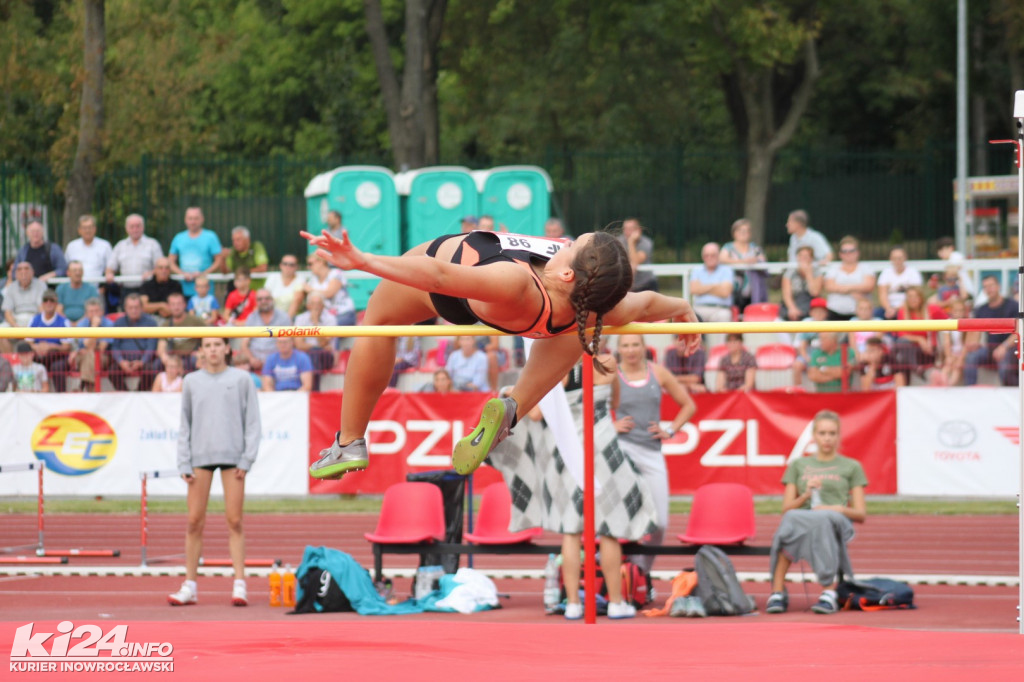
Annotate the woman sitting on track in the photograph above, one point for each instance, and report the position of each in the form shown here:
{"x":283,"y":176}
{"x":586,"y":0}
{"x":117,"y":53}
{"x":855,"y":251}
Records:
{"x":824,"y":495}
{"x":528,"y":286}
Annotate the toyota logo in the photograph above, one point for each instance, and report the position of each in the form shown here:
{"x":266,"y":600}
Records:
{"x":957,"y":434}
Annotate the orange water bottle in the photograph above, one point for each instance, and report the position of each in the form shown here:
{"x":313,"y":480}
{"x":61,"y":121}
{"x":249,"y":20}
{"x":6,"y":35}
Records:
{"x":276,"y":595}
{"x":288,"y":586}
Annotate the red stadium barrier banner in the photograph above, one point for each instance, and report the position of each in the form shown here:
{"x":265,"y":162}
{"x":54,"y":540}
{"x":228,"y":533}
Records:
{"x":742,"y":437}
{"x":750,"y":437}
{"x":409,"y":432}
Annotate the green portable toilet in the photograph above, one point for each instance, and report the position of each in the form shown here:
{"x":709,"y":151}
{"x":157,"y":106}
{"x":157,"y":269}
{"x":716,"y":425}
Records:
{"x":435,"y":201}
{"x":366,"y":198}
{"x":519,"y":197}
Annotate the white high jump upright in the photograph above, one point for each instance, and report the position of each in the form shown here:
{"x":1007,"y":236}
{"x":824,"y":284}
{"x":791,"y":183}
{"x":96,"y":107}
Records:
{"x":1018,"y":113}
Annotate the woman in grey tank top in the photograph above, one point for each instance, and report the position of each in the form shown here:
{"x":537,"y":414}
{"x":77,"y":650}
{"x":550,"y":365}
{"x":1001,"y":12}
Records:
{"x":638,"y":423}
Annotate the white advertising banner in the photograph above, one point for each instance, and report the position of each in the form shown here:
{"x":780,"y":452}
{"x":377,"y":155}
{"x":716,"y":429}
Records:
{"x":99,"y":443}
{"x":958,"y":441}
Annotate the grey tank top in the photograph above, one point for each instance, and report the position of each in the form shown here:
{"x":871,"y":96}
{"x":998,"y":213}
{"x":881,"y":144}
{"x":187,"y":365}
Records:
{"x":643,"y":404}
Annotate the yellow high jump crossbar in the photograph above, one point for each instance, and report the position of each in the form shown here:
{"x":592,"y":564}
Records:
{"x":998,"y":325}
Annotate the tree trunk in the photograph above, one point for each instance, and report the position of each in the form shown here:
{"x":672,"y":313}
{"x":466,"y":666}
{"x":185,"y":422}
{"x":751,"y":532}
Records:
{"x":760,"y":164}
{"x":410,"y":102}
{"x":978,"y":118}
{"x":82,"y":182}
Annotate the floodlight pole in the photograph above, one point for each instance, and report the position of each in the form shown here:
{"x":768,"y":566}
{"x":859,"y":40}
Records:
{"x":960,"y":223}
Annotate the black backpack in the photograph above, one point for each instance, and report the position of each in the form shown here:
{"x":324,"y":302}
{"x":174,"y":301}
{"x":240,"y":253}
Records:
{"x":717,"y":585}
{"x":874,"y":594}
{"x":319,"y":593}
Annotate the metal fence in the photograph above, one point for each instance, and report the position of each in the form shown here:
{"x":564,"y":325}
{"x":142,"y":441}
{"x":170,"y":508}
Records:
{"x":684,"y":196}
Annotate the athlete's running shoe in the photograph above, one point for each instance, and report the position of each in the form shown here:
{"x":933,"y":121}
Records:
{"x":186,"y":595}
{"x":495,"y":425}
{"x":337,"y":460}
{"x":238,"y":596}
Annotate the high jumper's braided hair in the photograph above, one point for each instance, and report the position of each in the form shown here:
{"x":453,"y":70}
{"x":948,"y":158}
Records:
{"x":603,"y":278}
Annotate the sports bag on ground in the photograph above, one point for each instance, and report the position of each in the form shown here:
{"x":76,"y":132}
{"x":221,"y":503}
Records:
{"x":874,"y":594}
{"x":321,"y":593}
{"x":717,"y":585}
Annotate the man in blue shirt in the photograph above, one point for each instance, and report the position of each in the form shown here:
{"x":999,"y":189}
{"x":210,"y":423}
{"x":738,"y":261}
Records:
{"x":134,"y":357}
{"x":73,"y":294}
{"x":288,"y":369}
{"x":195,"y":250}
{"x":998,"y":349}
{"x":52,"y":353}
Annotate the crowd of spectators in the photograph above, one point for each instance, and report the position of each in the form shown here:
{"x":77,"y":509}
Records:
{"x":200,"y":282}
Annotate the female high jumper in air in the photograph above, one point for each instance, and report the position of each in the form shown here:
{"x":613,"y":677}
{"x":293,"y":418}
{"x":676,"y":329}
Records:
{"x":523,"y":285}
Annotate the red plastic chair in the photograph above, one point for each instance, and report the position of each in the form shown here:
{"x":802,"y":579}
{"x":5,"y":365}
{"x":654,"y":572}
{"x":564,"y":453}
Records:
{"x":761,"y":312}
{"x":492,"y":523}
{"x":722,"y":514}
{"x":410,"y":512}
{"x":715,"y":355}
{"x":775,"y":356}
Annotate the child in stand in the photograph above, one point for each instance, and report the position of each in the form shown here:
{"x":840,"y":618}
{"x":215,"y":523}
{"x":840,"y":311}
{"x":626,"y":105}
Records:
{"x":169,"y":380}
{"x":203,"y":303}
{"x":876,"y":371}
{"x":865,"y":313}
{"x":806,"y":340}
{"x":242,"y":363}
{"x":242,"y":300}
{"x":951,"y":348}
{"x":29,"y":375}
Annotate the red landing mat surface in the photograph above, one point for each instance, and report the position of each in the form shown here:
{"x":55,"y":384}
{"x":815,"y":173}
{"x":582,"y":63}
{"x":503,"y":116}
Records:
{"x":384,"y":649}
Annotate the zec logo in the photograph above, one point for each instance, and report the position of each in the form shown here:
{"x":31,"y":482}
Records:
{"x":74,"y":443}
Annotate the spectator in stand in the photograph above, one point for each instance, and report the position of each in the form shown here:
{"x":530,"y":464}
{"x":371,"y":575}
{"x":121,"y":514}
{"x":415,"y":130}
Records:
{"x":876,"y":369}
{"x":824,"y":497}
{"x":951,"y":346}
{"x":408,"y":355}
{"x":156,"y":290}
{"x":6,"y":375}
{"x":487,"y":224}
{"x":244,"y":253}
{"x":712,"y":285}
{"x":52,"y":353}
{"x":467,"y":366}
{"x":805,"y":341}
{"x":847,"y":281}
{"x":288,"y":369}
{"x":29,"y":375}
{"x":184,"y":348}
{"x":998,"y":349}
{"x":242,"y":363}
{"x":91,"y":251}
{"x":286,"y":286}
{"x":688,"y":370}
{"x":948,"y":287}
{"x":641,"y":252}
{"x":195,"y":250}
{"x":894,"y":282}
{"x":204,"y":304}
{"x":801,"y":234}
{"x":331,"y":283}
{"x":134,"y":357}
{"x":738,"y":368}
{"x":242,"y":300}
{"x":257,"y":350}
{"x":440,"y":383}
{"x":865,"y":313}
{"x":637,"y":407}
{"x":134,"y":257}
{"x":170,"y":380}
{"x":320,"y":349}
{"x":826,"y":367}
{"x":946,"y":250}
{"x":914,"y":351}
{"x":800,"y":284}
{"x":23,"y":297}
{"x":468,"y":224}
{"x":72,"y":295}
{"x":46,"y":258}
{"x":554,"y":228}
{"x":751,"y":284}
{"x":334,"y":225}
{"x":84,"y":356}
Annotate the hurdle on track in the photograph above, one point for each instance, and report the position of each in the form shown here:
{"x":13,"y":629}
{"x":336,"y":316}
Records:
{"x":144,"y":527}
{"x":1003,"y":326}
{"x":43,"y":555}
